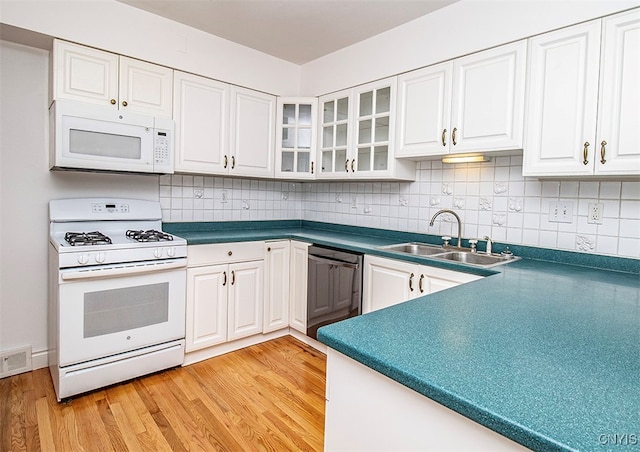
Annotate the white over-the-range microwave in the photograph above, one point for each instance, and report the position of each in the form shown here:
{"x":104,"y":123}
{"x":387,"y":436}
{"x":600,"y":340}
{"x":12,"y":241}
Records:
{"x":98,"y":138}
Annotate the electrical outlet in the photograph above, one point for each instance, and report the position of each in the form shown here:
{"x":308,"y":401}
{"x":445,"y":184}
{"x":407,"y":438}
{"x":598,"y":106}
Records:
{"x":223,"y":196}
{"x":561,"y":212}
{"x":594,"y":216}
{"x":354,"y":202}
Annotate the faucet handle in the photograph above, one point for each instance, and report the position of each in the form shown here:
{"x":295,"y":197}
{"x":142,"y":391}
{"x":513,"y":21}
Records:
{"x":473,"y":244}
{"x":445,"y":240}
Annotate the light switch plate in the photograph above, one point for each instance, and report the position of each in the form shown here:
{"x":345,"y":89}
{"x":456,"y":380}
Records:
{"x":561,"y":212}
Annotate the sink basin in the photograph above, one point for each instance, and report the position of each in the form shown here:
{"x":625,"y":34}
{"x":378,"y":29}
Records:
{"x":418,"y":249}
{"x":437,"y":252}
{"x":484,"y":260}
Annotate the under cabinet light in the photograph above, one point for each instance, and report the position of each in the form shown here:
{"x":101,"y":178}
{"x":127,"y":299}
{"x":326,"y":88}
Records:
{"x":465,"y":158}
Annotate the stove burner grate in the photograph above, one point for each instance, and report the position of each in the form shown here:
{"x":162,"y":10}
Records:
{"x":150,"y":235}
{"x":87,"y":238}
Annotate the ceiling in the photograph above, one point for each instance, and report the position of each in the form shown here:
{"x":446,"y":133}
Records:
{"x":298,"y":31}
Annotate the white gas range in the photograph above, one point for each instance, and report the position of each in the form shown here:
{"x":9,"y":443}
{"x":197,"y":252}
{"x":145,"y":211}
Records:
{"x":116,"y":293}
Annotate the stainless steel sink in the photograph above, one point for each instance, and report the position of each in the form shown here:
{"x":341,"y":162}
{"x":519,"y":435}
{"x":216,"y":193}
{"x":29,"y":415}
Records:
{"x":415,"y":248}
{"x":450,"y":254}
{"x":484,"y":260}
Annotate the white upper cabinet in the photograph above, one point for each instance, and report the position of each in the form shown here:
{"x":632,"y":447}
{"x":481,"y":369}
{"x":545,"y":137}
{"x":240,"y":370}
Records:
{"x":89,"y":75}
{"x":424,"y":110}
{"x":471,"y":104}
{"x":253,"y":125}
{"x":583,"y":100}
{"x":357,"y":130}
{"x":222,"y":129}
{"x":201,"y":113}
{"x":487,"y":110}
{"x":618,"y":130}
{"x":296,"y":137}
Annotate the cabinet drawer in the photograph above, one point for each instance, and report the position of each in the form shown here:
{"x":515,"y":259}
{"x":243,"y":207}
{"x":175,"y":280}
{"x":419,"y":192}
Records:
{"x":220,"y":253}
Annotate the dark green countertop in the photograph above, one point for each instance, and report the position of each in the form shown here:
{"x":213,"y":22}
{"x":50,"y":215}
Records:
{"x":545,"y":353}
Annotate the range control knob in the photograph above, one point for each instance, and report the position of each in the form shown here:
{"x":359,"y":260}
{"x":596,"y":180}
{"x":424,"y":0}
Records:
{"x":101,"y":257}
{"x":171,"y":252}
{"x":157,"y":253}
{"x":83,"y":259}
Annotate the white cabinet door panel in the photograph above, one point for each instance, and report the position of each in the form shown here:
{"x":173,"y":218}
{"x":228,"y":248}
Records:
{"x":618,"y":137}
{"x":246,"y":294}
{"x":562,"y":101}
{"x":298,"y":286}
{"x":252,"y":133}
{"x":145,"y":87}
{"x":424,"y":109}
{"x":201,"y":115}
{"x":488,"y":99}
{"x":276,"y":283}
{"x":84,"y":74}
{"x":387,"y":282}
{"x":206,"y":306}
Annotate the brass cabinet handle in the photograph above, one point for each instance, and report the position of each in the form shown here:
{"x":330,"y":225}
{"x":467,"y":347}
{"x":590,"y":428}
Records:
{"x":411,"y":282}
{"x":585,"y":153}
{"x":602,"y":152}
{"x":311,"y":167}
{"x":453,"y":135}
{"x":229,"y":253}
{"x":124,"y":103}
{"x":233,"y":277}
{"x":226,"y":161}
{"x":420,"y":284}
{"x":352,"y":163}
{"x":113,"y":101}
{"x":233,"y":161}
{"x":444,"y":137}
{"x":346,"y":166}
{"x":224,"y":281}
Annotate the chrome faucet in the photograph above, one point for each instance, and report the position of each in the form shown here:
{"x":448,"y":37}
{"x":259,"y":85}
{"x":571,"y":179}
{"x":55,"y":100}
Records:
{"x":457,"y":218}
{"x":489,"y":243}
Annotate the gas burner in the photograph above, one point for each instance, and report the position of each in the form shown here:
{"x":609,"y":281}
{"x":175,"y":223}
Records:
{"x":151,"y":235}
{"x":87,"y":238}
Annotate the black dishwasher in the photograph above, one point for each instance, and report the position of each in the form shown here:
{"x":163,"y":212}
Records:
{"x":334,"y":286}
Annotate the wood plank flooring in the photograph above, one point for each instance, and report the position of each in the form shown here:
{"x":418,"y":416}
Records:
{"x":268,"y":397}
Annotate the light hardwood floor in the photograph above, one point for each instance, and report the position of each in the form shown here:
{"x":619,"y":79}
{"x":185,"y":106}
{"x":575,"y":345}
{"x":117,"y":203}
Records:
{"x":266,"y":397}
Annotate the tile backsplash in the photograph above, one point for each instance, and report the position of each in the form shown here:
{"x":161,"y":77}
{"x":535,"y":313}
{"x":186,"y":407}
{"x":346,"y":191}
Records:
{"x":492,"y":199}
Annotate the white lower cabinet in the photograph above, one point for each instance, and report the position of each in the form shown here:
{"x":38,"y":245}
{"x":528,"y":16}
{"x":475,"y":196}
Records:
{"x":298,"y":286}
{"x":276,"y":285}
{"x":388,"y":281}
{"x":225,"y":293}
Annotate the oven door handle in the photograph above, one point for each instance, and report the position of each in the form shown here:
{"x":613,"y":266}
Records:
{"x":122,"y":270}
{"x":323,"y":260}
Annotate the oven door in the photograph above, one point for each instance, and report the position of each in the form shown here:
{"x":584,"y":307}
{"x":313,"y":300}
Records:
{"x":121,"y":311}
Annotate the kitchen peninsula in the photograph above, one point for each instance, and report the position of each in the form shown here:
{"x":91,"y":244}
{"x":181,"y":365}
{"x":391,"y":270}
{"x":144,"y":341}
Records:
{"x":543,"y":350}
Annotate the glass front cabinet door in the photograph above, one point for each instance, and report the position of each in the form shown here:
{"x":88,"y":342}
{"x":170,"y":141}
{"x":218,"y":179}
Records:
{"x":356,"y":138}
{"x":296,"y":140}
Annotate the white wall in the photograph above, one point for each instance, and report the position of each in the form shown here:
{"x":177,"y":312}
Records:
{"x":26,"y":186}
{"x":120,"y":28}
{"x":458,"y":29}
